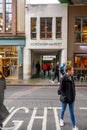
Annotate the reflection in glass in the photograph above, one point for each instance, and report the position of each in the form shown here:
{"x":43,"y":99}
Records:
{"x":81,"y":30}
{"x":46,"y":28}
{"x":33,"y":28}
{"x":8,"y":15}
{"x":8,"y":1}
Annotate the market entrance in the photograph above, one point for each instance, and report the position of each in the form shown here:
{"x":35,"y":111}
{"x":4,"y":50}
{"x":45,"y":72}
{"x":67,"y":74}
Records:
{"x":44,"y":57}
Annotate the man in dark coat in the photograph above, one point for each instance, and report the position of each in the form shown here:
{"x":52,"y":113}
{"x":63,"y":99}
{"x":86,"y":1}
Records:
{"x":67,"y":88}
{"x":3,"y":111}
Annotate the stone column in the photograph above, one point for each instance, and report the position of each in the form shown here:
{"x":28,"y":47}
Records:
{"x":20,"y":62}
{"x":53,"y":28}
{"x":27,"y":63}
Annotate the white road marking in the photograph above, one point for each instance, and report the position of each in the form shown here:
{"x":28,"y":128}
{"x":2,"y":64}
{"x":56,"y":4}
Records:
{"x":17,"y":123}
{"x":83,"y":108}
{"x":56,"y":119}
{"x":13,"y":112}
{"x":33,"y":117}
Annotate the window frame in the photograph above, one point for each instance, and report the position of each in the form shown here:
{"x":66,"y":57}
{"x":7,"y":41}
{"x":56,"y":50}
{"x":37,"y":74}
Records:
{"x":80,"y":32}
{"x":45,"y":31}
{"x":59,"y":32}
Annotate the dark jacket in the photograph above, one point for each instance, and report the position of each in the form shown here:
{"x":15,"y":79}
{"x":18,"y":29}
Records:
{"x":3,"y":110}
{"x":67,"y":87}
{"x":2,"y":87}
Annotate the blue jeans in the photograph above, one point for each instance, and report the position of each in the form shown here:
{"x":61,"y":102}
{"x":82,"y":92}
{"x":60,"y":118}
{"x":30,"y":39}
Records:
{"x":71,"y":109}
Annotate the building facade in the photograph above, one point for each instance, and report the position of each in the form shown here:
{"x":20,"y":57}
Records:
{"x":77,"y":37}
{"x":46,"y":35}
{"x":12,"y":37}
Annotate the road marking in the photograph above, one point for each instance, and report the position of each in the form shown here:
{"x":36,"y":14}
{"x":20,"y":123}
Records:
{"x":83,"y":108}
{"x":18,"y":123}
{"x":14,"y":112}
{"x":33,"y":117}
{"x":56,"y":119}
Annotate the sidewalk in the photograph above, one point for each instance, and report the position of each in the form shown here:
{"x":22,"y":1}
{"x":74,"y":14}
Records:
{"x":37,"y":81}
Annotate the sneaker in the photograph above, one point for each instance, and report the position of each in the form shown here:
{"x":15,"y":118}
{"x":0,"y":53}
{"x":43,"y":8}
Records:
{"x":75,"y":128}
{"x":52,"y":81}
{"x":61,"y":122}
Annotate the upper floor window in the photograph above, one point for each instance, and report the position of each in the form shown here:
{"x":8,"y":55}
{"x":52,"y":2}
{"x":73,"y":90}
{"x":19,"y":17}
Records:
{"x":33,"y":28}
{"x":1,"y":16}
{"x":5,"y":15}
{"x":80,"y":28}
{"x":8,"y":15}
{"x":58,"y":27}
{"x":45,"y":28}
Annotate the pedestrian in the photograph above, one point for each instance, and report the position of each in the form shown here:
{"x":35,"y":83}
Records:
{"x":37,"y":69}
{"x":44,"y":68}
{"x":56,"y":72}
{"x":62,"y":69}
{"x":68,"y":93}
{"x":3,"y":110}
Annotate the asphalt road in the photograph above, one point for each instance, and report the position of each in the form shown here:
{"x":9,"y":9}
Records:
{"x":38,"y":108}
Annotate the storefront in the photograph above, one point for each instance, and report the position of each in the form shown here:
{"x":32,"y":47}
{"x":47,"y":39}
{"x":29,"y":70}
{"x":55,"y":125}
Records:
{"x":46,"y":34}
{"x":77,"y":38}
{"x":11,"y":58}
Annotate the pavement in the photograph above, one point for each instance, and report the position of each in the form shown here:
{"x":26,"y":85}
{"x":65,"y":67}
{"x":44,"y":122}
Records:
{"x":38,"y":82}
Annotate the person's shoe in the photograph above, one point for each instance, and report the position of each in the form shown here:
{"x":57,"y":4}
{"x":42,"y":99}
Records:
{"x":61,"y":122}
{"x":0,"y":128}
{"x":75,"y":128}
{"x":52,"y":81}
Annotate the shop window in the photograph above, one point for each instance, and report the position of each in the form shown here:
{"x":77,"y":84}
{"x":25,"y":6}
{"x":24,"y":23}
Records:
{"x":33,"y":28}
{"x":45,"y":28}
{"x":80,"y":28}
{"x":9,"y":61}
{"x":58,"y":27}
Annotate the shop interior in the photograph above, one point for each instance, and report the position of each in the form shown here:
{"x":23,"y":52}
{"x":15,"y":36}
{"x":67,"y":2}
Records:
{"x":9,"y":61}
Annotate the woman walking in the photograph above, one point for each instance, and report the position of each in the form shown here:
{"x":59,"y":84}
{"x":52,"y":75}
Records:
{"x":67,"y":88}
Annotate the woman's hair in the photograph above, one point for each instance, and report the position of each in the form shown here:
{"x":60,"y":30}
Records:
{"x":68,"y":68}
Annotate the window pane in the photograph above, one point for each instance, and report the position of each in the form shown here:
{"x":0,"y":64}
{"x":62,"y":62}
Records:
{"x":8,"y":1}
{"x":8,"y":8}
{"x":8,"y":22}
{"x":33,"y":28}
{"x":58,"y":27}
{"x":8,"y":15}
{"x":77,"y":37}
{"x":1,"y":17}
{"x":84,"y":30}
{"x":77,"y":25}
{"x":0,"y":1}
{"x":46,"y":28}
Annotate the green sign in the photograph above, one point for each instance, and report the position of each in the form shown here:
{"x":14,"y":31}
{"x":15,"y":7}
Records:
{"x":65,"y":1}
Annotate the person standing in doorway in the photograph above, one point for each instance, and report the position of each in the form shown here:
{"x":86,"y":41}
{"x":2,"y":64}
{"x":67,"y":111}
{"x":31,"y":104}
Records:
{"x":37,"y":69}
{"x":56,"y":72}
{"x":68,"y":93}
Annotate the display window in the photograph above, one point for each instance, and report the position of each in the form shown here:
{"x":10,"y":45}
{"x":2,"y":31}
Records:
{"x":9,"y":61}
{"x":80,"y":64}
